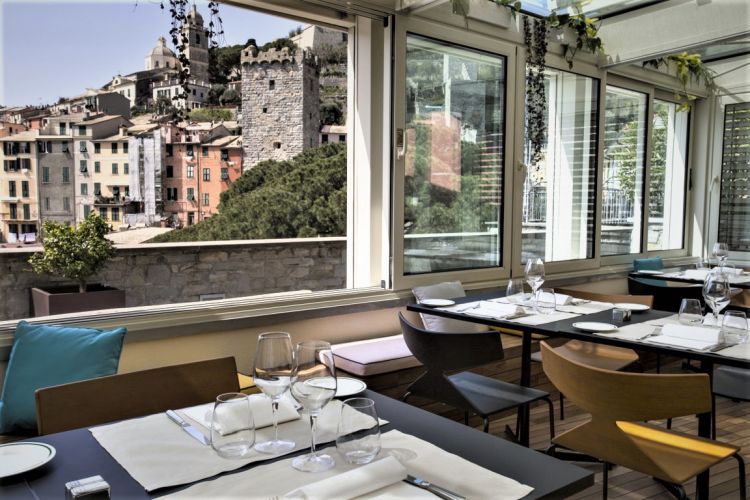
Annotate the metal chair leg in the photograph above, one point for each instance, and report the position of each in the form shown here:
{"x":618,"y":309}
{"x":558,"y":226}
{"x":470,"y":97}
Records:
{"x":466,"y":418}
{"x":743,"y":480}
{"x":713,"y":415}
{"x":551,"y":418}
{"x":605,"y":480}
{"x":562,"y":406}
{"x":406,"y":395}
{"x":486,"y":424}
{"x":669,"y":423}
{"x":658,"y":362}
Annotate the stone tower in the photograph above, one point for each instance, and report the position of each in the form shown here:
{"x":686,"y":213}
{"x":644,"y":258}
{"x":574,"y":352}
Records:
{"x":280,"y":104}
{"x":197,"y":46}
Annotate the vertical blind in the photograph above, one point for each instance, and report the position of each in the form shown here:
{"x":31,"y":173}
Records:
{"x":734,"y":203}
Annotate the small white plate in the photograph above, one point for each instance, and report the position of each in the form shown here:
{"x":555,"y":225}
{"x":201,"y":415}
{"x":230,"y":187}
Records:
{"x":16,"y":458}
{"x":632,"y":307}
{"x":650,"y":271}
{"x":346,"y":386}
{"x":593,"y":326}
{"x":437,"y":302}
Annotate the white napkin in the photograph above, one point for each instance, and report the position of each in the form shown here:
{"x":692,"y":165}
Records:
{"x":260,"y":406}
{"x":695,"y":274}
{"x":690,"y":337}
{"x":355,"y":482}
{"x":560,"y":298}
{"x":496,"y":310}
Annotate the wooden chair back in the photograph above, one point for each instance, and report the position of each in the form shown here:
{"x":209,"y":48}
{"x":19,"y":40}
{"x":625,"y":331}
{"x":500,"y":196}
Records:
{"x":611,"y":396}
{"x":128,"y":395}
{"x":647,"y":300}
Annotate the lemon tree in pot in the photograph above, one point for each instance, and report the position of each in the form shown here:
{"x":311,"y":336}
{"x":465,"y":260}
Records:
{"x":76,"y":254}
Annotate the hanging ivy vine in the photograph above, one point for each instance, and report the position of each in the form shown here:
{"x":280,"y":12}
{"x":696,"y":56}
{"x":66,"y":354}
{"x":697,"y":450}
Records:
{"x":689,"y":67}
{"x":586,"y":30}
{"x":535,"y":37}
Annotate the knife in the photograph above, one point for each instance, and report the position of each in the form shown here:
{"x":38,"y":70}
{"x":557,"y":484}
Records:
{"x":433,"y":488}
{"x":192,"y":431}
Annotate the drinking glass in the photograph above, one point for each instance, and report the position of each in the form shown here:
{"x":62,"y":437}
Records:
{"x":534,"y":274}
{"x":691,"y":312}
{"x":358,"y":436}
{"x":716,"y":292}
{"x":313,"y":386}
{"x":721,"y":252}
{"x":734,"y":327}
{"x":547,"y":300}
{"x":703,"y":264}
{"x":272,"y":374}
{"x":232,"y":425}
{"x":514,"y":292}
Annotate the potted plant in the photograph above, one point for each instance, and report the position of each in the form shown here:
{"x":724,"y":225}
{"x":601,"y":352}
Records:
{"x":76,"y":254}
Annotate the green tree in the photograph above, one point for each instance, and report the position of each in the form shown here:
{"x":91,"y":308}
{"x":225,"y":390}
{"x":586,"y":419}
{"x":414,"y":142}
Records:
{"x":210,"y":114}
{"x":298,"y":198}
{"x":331,"y":113}
{"x":224,"y":61}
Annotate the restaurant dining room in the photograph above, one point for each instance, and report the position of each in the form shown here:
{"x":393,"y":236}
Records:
{"x":457,"y":249}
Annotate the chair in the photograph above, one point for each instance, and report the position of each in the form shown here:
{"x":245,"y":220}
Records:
{"x":598,"y":355}
{"x":730,"y":382}
{"x":442,"y":352}
{"x":117,"y":397}
{"x":666,"y":298}
{"x":619,"y":403}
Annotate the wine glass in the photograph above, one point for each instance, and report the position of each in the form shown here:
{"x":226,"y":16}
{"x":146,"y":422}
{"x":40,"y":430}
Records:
{"x":313,"y":386}
{"x":721,"y":252}
{"x":272,"y":374}
{"x":691,"y":312}
{"x":716,"y":292}
{"x":534,"y":274}
{"x":514,"y":292}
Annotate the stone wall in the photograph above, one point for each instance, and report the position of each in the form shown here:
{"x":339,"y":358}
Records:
{"x":166,"y":274}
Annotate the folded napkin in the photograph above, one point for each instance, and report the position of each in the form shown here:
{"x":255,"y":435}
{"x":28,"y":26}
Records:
{"x":496,"y":310}
{"x":689,"y":337}
{"x":695,"y":274}
{"x":560,"y":298}
{"x":354,"y":483}
{"x":260,"y":406}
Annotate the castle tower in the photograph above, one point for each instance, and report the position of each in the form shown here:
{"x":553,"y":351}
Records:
{"x":197,"y":46}
{"x":280,"y":104}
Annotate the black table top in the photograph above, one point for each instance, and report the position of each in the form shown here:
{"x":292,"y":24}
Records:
{"x":565,"y":329}
{"x":79,"y":455}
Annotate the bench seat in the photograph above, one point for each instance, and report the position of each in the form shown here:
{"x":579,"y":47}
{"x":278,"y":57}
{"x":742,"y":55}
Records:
{"x":365,"y":358}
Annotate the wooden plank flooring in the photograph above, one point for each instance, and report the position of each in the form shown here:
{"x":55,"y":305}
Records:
{"x":733,"y":427}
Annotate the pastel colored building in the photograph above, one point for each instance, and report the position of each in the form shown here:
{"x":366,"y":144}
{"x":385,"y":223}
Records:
{"x":19,"y":206}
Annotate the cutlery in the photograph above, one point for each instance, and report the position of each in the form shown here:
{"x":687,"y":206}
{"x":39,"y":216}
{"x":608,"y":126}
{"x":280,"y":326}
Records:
{"x":513,"y":316}
{"x":466,"y":308}
{"x":433,"y":488}
{"x":578,"y":302}
{"x":720,"y":347}
{"x":192,"y":431}
{"x":655,"y":333}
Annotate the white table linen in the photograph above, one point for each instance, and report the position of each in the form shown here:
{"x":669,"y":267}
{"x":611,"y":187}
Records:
{"x":260,"y":406}
{"x":689,"y":337}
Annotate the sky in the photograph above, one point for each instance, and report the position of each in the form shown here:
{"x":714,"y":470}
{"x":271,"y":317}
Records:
{"x":55,"y":48}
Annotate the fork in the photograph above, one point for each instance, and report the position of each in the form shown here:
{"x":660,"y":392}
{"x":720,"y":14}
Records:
{"x":655,"y":333}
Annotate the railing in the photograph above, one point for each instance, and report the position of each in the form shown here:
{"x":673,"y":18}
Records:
{"x":617,"y":207}
{"x":535,"y":204}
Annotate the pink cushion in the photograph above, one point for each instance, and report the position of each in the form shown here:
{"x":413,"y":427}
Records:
{"x":374,"y":356}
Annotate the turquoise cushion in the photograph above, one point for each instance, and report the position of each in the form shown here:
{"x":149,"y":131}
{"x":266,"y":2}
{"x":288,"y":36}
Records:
{"x":43,"y":356}
{"x":651,"y":264}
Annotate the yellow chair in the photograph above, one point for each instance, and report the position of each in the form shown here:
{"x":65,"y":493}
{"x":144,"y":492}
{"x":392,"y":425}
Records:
{"x":619,"y":403}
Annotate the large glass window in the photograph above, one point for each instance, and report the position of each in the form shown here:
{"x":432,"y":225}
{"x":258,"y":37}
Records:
{"x":559,"y":191}
{"x":624,"y":162}
{"x":666,"y":208}
{"x":734,"y":205}
{"x":455,"y":111}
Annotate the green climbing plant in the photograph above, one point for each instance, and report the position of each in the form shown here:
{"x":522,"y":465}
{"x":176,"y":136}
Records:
{"x":689,"y":68}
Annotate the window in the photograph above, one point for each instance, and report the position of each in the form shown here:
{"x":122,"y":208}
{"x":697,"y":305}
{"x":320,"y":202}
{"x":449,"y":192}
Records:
{"x":65,"y":146}
{"x":125,"y":168}
{"x":191,"y":218}
{"x":224,"y":174}
{"x":115,"y":169}
{"x":24,"y":189}
{"x":190,"y":171}
{"x":190,"y":194}
{"x":666,"y":207}
{"x":197,"y":39}
{"x":86,"y":211}
{"x":66,"y":175}
{"x":45,"y":175}
{"x":168,"y":150}
{"x":26,"y":211}
{"x":171,"y":194}
{"x":205,"y":199}
{"x":342,"y":137}
{"x":61,"y":128}
{"x":97,"y":148}
{"x":66,"y":204}
{"x":46,"y":204}
{"x":103,"y":213}
{"x":559,"y":192}
{"x":271,"y":84}
{"x":83,"y":166}
{"x":224,"y":155}
{"x":170,"y":171}
{"x":25,"y":163}
{"x":115,"y":214}
{"x":324,"y":139}
{"x":277,"y":145}
{"x":204,"y":150}
{"x":265,"y":110}
{"x":734,"y":202}
{"x":84,"y":189}
{"x":97,"y":167}
{"x":452,"y":198}
{"x":206,"y":174}
{"x":12,"y":189}
{"x":98,"y":188}
{"x":125,"y":144}
{"x":190,"y":150}
{"x":114,"y":148}
{"x":82,"y":147}
{"x":81,"y":130}
{"x":624,"y":163}
{"x":13,"y":211}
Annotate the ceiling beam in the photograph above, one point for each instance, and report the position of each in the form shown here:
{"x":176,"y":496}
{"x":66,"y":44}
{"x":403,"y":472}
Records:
{"x":671,"y":27}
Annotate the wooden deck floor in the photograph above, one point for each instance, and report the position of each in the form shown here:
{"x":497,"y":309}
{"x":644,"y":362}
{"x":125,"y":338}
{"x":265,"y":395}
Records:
{"x":733,"y":427}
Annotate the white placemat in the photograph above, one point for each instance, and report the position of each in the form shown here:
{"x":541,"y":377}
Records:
{"x":260,"y":406}
{"x":158,"y":453}
{"x":430,"y":463}
{"x":633,"y":331}
{"x":541,"y":319}
{"x":586,"y":308}
{"x":741,"y":351}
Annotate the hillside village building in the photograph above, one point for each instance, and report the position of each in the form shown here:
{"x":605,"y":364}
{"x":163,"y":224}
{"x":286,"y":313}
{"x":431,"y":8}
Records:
{"x":19,"y":208}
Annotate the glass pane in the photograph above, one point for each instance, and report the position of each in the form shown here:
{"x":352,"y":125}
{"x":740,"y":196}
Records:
{"x":666,"y":210}
{"x":624,"y":160}
{"x":734,"y":204}
{"x":455,"y":110}
{"x":559,"y":192}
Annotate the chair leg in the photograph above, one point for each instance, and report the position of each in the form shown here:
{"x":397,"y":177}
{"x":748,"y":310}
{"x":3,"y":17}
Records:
{"x":676,"y":490}
{"x":713,"y":415}
{"x":562,"y":406}
{"x":486,"y":422}
{"x":466,"y":418}
{"x":658,"y":362}
{"x":605,"y":480}
{"x":669,"y":423}
{"x":406,"y":395}
{"x":551,"y":418}
{"x":743,"y":480}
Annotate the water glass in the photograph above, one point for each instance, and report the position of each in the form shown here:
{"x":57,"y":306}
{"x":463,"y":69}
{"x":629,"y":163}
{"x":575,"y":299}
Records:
{"x":721,"y":252}
{"x":691,"y":312}
{"x":358,"y":436}
{"x":232,"y":426}
{"x":734,"y":327}
{"x":514,"y":292}
{"x":716,"y":292}
{"x":546,"y":301}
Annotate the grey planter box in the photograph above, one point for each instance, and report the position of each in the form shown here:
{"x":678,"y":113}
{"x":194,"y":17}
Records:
{"x":67,"y":299}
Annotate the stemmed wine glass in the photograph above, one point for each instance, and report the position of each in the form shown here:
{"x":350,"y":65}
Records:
{"x":535,"y":277}
{"x":272,"y":373}
{"x":313,"y":386}
{"x":721,"y":252}
{"x":716,"y":292}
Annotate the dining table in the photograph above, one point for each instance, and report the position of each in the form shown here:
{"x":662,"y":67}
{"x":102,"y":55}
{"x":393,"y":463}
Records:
{"x":691,"y":276}
{"x":80,"y":455}
{"x":565,"y":329}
